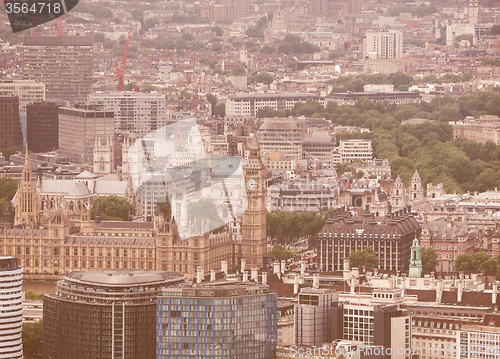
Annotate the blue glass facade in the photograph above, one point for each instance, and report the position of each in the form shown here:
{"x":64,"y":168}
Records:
{"x":243,"y":327}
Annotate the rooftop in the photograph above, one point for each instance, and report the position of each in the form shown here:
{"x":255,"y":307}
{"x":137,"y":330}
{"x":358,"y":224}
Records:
{"x":123,"y":278}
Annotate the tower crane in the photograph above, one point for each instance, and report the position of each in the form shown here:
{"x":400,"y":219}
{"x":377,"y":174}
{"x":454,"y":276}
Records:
{"x":196,"y":87}
{"x":120,"y":69}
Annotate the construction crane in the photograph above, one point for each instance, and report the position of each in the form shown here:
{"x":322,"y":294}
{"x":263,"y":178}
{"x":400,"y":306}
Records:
{"x":196,"y":87}
{"x":58,"y":28}
{"x":120,"y":69}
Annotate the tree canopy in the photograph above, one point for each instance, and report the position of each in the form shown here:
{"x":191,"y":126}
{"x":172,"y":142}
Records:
{"x":461,"y":165}
{"x":113,"y":208}
{"x":280,"y":253}
{"x":287,"y":226}
{"x":478,"y":262}
{"x":32,"y":339}
{"x":429,"y":259}
{"x":366,"y":257}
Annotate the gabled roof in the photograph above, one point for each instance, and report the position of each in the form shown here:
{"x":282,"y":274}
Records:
{"x":67,"y":187}
{"x":86,"y":175}
{"x":118,"y":188}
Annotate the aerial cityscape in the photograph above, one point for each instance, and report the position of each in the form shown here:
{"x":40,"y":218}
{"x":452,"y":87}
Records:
{"x":250,"y":179}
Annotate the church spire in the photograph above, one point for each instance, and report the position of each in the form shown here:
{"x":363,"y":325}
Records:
{"x":415,"y":260}
{"x":27,"y":198}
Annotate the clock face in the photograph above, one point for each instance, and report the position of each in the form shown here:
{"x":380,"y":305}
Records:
{"x":252,"y":184}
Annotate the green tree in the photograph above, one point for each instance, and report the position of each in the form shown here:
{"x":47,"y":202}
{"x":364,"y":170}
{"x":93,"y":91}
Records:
{"x":218,"y":30}
{"x":366,"y":257}
{"x":113,"y":208}
{"x":212,"y":100}
{"x":495,"y":30}
{"x":266,"y":112}
{"x":166,"y":209}
{"x":429,"y":259}
{"x":220,"y":110}
{"x":263,"y":77}
{"x":31,"y":295}
{"x":32,"y":339}
{"x":482,"y":262}
{"x":8,"y":188}
{"x":238,"y":71}
{"x":7,"y":151}
{"x":280,"y":253}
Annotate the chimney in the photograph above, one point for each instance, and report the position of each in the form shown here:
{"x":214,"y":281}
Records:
{"x":254,"y":274}
{"x":439,"y":292}
{"x":353,"y":285}
{"x":199,"y":274}
{"x":460,"y":291}
{"x":212,"y":275}
{"x":264,"y":278}
{"x":316,"y":280}
{"x":242,"y":265}
{"x":494,"y":292}
{"x":296,"y":284}
{"x":223,"y":267}
{"x":245,"y":276}
{"x":346,"y":264}
{"x":283,"y":267}
{"x":276,"y":269}
{"x":302,"y":268}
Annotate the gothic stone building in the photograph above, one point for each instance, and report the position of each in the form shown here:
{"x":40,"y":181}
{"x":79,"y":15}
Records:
{"x":390,"y":236}
{"x":49,"y":242}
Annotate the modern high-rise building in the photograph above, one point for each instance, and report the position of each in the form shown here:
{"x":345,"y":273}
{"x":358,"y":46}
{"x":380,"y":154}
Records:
{"x":43,"y":126}
{"x":473,"y":12}
{"x":355,"y":150}
{"x":10,"y":126}
{"x":383,"y":45}
{"x":391,"y":237}
{"x":226,"y":321}
{"x":135,"y":112}
{"x":63,"y":63}
{"x":281,"y":135}
{"x":27,"y":91}
{"x":383,"y":51}
{"x":104,"y":314}
{"x":11,"y":308}
{"x":326,"y":8}
{"x":317,"y":317}
{"x":78,"y":130}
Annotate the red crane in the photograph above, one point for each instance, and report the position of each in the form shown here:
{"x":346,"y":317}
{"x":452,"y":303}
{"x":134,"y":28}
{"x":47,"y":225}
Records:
{"x":188,"y":78}
{"x":58,"y":27}
{"x":120,"y":69}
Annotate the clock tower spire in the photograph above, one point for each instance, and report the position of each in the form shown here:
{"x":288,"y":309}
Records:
{"x":254,"y":236}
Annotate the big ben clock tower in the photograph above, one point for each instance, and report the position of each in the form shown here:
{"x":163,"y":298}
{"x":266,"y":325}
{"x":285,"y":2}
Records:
{"x":254,"y":244}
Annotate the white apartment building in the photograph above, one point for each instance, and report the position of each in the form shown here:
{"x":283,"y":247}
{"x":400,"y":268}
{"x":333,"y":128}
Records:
{"x":28,"y":91}
{"x":247,"y":105}
{"x":314,"y":315}
{"x":135,"y":112}
{"x":11,"y":308}
{"x":281,"y":135}
{"x":386,"y":45}
{"x":479,"y":342}
{"x":454,"y":30}
{"x":355,"y":150}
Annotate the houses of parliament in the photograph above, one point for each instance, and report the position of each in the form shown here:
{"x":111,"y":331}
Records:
{"x":49,"y":241}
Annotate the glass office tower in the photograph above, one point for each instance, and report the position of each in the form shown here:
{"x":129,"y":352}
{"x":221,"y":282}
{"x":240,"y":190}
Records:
{"x":217,"y":321}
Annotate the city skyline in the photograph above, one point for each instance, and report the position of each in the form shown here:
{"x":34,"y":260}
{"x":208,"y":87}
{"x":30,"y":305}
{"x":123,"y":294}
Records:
{"x":250,"y":179}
